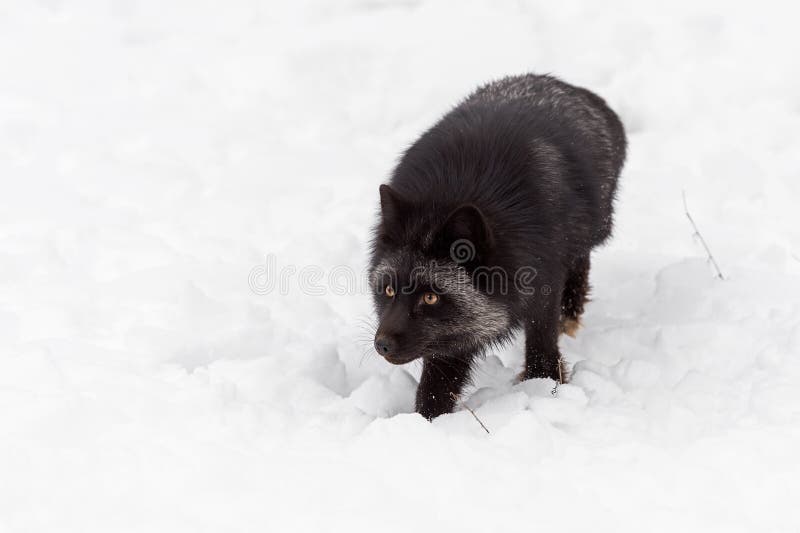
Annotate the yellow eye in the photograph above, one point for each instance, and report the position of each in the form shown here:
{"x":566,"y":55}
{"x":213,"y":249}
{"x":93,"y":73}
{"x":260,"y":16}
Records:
{"x":389,"y":291}
{"x":430,"y":298}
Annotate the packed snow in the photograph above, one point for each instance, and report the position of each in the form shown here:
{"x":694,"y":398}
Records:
{"x":185,"y":338}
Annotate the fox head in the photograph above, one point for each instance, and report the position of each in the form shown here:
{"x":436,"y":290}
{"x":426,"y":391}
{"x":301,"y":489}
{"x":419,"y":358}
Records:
{"x":429,"y":297}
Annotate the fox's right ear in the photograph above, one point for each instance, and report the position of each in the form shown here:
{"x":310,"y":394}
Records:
{"x":394,"y":209}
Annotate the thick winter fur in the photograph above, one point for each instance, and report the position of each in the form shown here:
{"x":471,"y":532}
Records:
{"x":518,"y":179}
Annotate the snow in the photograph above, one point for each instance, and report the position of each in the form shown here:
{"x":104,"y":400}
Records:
{"x":154,"y":155}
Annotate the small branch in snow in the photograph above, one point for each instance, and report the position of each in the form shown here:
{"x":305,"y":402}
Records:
{"x":462,"y":404}
{"x":700,"y":237}
{"x":554,"y":392}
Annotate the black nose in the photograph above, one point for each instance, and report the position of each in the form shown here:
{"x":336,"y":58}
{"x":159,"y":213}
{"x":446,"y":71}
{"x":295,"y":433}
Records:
{"x":384,"y":345}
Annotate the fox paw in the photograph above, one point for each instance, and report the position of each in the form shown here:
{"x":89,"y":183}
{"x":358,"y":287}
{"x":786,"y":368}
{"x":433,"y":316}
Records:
{"x":570,"y":326}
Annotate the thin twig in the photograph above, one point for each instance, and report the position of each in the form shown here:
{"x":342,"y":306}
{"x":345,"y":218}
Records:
{"x":560,"y":378}
{"x":702,"y":240}
{"x":465,"y":406}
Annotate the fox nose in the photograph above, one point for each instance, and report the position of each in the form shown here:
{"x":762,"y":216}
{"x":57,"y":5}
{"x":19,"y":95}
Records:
{"x":384,"y":345}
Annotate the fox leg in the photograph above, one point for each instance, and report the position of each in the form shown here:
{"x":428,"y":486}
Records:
{"x":441,"y":383}
{"x":576,"y":290}
{"x":542,"y":328}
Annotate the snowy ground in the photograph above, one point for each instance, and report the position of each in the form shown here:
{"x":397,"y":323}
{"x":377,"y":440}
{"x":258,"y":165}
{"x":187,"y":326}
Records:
{"x":153,"y":154}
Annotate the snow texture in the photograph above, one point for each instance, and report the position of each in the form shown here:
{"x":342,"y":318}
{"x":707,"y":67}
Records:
{"x":158,"y":158}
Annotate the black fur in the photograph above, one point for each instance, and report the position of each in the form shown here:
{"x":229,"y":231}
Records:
{"x":524,"y":171}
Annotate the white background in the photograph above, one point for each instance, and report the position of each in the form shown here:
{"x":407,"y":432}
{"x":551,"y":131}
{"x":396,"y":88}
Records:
{"x":153,"y":153}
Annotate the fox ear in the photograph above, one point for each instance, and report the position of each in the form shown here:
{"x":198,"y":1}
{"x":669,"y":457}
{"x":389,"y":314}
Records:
{"x":394,"y":208}
{"x":466,"y":235}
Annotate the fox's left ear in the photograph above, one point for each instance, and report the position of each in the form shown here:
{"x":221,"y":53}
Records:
{"x":466,"y":235}
{"x":393,"y":206}
{"x":394,"y":211}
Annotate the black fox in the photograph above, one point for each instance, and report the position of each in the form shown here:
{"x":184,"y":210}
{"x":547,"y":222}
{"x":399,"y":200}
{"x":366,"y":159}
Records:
{"x":487,"y":226}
